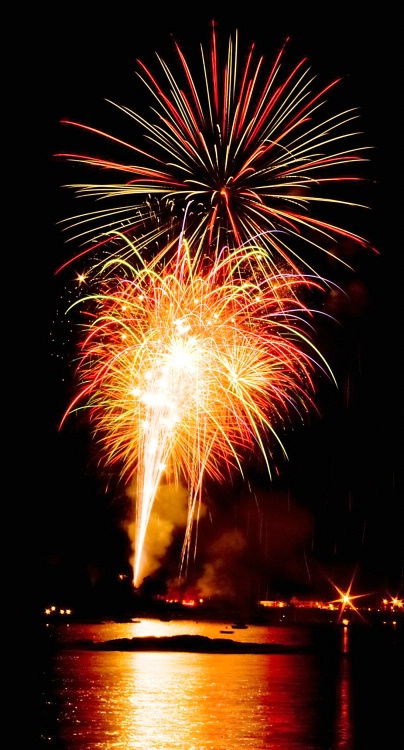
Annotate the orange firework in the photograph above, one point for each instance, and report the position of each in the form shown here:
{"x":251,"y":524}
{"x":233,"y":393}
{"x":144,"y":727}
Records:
{"x":189,"y":363}
{"x":249,"y":151}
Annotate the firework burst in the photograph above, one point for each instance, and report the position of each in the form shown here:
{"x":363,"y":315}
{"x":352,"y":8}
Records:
{"x":188,"y":364}
{"x":250,"y":151}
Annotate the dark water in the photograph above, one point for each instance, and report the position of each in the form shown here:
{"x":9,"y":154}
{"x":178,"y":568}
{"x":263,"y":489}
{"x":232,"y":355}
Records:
{"x":345,"y":693}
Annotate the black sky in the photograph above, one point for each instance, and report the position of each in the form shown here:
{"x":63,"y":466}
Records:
{"x":337,"y":505}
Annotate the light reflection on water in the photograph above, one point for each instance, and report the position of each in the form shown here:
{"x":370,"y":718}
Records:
{"x":164,"y":701}
{"x":200,"y":701}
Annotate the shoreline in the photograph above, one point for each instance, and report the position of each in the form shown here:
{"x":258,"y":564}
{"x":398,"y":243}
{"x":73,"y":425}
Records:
{"x":325,"y":641}
{"x":187,"y":643}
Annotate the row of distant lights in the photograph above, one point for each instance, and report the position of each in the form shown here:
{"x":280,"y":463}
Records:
{"x":56,"y":611}
{"x":393,"y":605}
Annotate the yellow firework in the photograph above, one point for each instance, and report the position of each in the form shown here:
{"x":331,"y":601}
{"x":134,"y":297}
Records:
{"x":191,"y":362}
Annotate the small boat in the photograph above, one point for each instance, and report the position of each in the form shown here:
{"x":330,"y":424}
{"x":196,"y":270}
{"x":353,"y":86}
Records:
{"x":227,"y":632}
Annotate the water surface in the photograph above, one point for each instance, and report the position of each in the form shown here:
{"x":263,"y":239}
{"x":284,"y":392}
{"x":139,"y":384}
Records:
{"x":337,"y":697}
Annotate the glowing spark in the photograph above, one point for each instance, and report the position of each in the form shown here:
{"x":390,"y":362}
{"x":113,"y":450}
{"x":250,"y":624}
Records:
{"x":346,"y":599}
{"x":394,"y":602}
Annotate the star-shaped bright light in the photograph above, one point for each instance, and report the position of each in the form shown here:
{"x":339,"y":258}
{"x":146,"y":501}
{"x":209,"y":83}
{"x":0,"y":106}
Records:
{"x":346,"y":599}
{"x":393,"y":602}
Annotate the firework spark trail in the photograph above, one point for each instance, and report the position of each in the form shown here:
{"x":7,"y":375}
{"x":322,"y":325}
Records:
{"x":191,"y":362}
{"x":194,"y":359}
{"x":251,"y":153}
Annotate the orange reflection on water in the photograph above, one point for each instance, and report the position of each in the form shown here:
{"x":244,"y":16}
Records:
{"x":343,"y":721}
{"x":311,"y":698}
{"x":343,"y":717}
{"x":189,"y":701}
{"x":194,"y":701}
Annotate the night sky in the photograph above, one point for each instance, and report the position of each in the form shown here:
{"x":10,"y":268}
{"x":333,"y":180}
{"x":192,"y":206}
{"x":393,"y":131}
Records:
{"x":335,"y":508}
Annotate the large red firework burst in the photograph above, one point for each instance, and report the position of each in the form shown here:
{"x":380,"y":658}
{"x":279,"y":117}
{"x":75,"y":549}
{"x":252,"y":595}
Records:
{"x":245,"y":153}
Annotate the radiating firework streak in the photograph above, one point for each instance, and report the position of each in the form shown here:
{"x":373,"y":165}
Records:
{"x":251,"y":151}
{"x":189,"y":363}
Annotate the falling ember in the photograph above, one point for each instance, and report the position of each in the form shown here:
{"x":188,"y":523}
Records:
{"x":190,"y":362}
